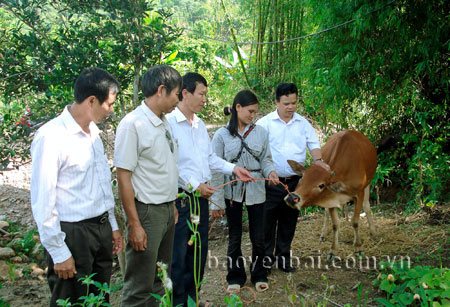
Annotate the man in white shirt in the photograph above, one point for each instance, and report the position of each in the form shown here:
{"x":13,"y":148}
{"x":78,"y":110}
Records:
{"x":290,"y":135}
{"x":146,"y":159}
{"x":196,"y":159}
{"x":71,"y":195}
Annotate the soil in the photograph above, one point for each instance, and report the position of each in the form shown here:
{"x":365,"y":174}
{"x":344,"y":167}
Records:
{"x":332,"y":284}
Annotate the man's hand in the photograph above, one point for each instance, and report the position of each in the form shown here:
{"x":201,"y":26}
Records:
{"x":137,"y":238}
{"x":274,"y":180}
{"x":117,"y":242}
{"x":217,"y":213}
{"x":322,"y":164}
{"x":65,"y":269}
{"x":206,"y":190}
{"x":243,"y":174}
{"x":175,"y":212}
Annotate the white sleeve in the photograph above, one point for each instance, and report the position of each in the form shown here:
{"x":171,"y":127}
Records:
{"x":46,"y":162}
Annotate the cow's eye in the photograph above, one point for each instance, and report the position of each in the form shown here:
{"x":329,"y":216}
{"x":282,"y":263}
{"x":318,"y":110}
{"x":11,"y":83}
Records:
{"x":321,"y":186}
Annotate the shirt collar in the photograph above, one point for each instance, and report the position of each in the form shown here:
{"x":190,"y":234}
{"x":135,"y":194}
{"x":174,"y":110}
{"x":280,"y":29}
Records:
{"x":274,"y":116}
{"x":155,"y":120}
{"x":180,"y":117}
{"x":246,"y":129}
{"x":73,"y":127}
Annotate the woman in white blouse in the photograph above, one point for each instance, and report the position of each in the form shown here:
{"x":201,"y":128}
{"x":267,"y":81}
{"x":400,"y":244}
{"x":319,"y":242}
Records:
{"x":247,"y":145}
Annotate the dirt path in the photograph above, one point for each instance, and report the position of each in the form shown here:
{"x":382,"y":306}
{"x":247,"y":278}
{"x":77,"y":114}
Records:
{"x":314,"y":281}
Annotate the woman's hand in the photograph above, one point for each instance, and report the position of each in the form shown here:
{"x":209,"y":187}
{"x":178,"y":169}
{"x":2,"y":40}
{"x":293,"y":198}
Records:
{"x":274,"y":180}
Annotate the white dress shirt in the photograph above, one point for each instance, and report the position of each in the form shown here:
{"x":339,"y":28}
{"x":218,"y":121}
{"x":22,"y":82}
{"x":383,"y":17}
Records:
{"x":145,"y":147}
{"x":288,"y":141}
{"x":196,"y":159}
{"x":70,"y":180}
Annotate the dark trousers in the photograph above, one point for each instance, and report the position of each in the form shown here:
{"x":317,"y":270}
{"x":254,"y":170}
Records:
{"x":183,"y":255}
{"x":236,"y":267}
{"x":91,"y":247}
{"x":280,"y":221}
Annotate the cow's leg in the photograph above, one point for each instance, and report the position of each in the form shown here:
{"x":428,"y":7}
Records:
{"x":335,"y":221}
{"x":345,"y":212}
{"x":366,"y":206}
{"x":325,"y":228}
{"x":355,"y":221}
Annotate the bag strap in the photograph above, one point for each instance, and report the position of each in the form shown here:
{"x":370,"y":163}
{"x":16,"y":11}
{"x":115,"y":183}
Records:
{"x":244,"y":145}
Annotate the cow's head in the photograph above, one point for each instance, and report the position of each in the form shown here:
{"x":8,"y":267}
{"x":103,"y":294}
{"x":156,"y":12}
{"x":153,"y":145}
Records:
{"x":315,"y":184}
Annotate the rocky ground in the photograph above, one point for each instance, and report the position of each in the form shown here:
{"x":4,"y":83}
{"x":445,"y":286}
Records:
{"x":315,"y":281}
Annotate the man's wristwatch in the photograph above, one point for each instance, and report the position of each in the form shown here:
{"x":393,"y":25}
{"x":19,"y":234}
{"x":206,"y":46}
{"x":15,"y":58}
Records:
{"x":320,"y":159}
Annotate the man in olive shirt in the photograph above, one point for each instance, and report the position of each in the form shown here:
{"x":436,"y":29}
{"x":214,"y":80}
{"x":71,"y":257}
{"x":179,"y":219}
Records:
{"x":146,"y":160}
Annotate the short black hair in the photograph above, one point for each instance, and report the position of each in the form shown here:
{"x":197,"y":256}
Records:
{"x":160,"y":75}
{"x":190,"y":81}
{"x":285,"y":89}
{"x":96,"y":82}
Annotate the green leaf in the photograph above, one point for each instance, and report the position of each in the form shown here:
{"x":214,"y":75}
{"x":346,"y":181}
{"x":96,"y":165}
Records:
{"x":384,"y":302}
{"x":191,"y":302}
{"x":172,"y":56}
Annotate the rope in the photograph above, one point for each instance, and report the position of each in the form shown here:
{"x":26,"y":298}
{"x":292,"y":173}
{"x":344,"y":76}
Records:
{"x":209,"y":232}
{"x":234,"y":180}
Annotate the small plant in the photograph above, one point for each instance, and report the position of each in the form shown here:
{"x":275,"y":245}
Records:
{"x":2,"y":302}
{"x":417,"y":286}
{"x":90,"y":299}
{"x":327,"y":292}
{"x":194,"y":207}
{"x":167,"y":298}
{"x":12,"y":271}
{"x":360,"y":304}
{"x":25,"y":245}
{"x":233,"y":300}
{"x":290,"y":290}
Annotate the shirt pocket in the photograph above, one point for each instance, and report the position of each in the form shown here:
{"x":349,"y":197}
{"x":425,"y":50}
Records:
{"x":78,"y":160}
{"x":256,"y":148}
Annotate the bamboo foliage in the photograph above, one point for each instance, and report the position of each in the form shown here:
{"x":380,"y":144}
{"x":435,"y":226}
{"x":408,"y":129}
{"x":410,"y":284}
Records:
{"x":277,"y":20}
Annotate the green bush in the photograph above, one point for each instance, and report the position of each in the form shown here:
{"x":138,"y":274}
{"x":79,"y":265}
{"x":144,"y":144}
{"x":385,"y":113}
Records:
{"x":416,"y":286}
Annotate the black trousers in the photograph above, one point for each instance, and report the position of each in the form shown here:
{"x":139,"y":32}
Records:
{"x":280,"y":221}
{"x":236,"y":267}
{"x":91,"y":246}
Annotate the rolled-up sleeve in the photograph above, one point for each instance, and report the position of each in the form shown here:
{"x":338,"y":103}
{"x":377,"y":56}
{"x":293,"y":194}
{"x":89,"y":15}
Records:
{"x":312,"y":141}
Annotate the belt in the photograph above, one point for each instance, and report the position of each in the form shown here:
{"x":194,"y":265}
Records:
{"x":101,"y":219}
{"x":151,"y":204}
{"x":286,"y":180}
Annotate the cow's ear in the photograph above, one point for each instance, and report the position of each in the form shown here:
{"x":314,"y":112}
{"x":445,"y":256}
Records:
{"x":296,"y":167}
{"x":337,"y":187}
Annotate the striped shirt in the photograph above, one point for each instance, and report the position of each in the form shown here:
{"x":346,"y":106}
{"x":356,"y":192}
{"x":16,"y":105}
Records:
{"x":70,"y":180}
{"x":196,"y":158}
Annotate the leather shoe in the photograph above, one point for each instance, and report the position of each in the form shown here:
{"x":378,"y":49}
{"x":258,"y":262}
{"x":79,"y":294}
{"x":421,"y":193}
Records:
{"x":288,"y":269}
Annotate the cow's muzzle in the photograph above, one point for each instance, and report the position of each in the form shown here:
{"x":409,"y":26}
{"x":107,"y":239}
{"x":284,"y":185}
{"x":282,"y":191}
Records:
{"x":292,"y":200}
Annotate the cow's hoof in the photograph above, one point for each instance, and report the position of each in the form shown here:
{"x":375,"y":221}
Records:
{"x":322,"y":239}
{"x":330,"y":257}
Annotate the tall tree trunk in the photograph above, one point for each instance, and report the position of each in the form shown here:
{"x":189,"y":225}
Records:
{"x":236,"y":47}
{"x":137,"y":73}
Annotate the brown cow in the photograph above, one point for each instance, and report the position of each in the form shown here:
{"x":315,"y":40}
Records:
{"x":353,"y":161}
